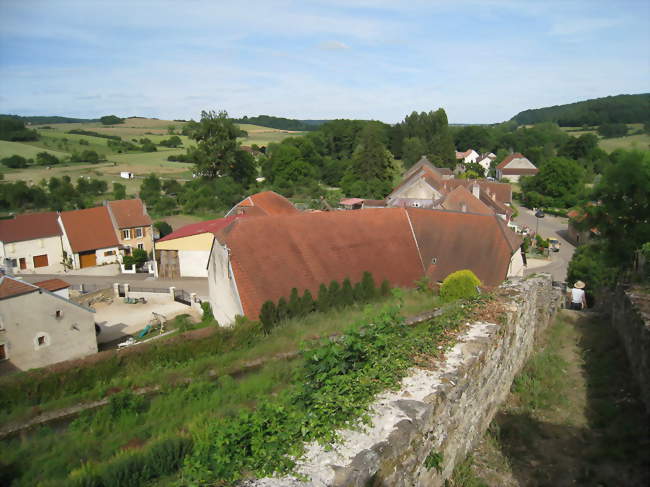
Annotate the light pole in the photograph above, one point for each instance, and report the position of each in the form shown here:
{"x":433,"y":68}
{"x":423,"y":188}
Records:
{"x":538,"y":214}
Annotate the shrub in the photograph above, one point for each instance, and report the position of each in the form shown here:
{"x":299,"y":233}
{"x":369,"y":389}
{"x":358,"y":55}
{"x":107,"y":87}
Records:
{"x":307,"y":302}
{"x":128,"y":261}
{"x":207,"y":312}
{"x":140,"y":256}
{"x":282,"y":309}
{"x":460,"y":285}
{"x":268,"y":317}
{"x":46,"y":159}
{"x":334,"y":295}
{"x":369,"y":290}
{"x":295,"y":305}
{"x":347,"y":292}
{"x":14,"y":162}
{"x":385,"y":288}
{"x":163,"y":228}
{"x":323,"y":302}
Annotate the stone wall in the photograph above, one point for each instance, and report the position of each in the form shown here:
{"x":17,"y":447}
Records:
{"x":439,"y":413}
{"x":631,"y":318}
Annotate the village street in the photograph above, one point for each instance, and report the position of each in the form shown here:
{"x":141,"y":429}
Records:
{"x":549,"y":227}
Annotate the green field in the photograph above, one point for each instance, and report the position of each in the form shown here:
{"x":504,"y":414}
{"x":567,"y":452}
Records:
{"x":637,"y":141}
{"x":8,"y":149}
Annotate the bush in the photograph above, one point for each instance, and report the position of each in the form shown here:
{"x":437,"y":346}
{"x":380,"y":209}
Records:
{"x":268,"y":317}
{"x":347,"y":292}
{"x":163,"y":228}
{"x":307,"y":302}
{"x":460,"y":285}
{"x":14,"y":162}
{"x":368,"y":288}
{"x":295,"y":306}
{"x":334,"y":294}
{"x":323,"y":303}
{"x":46,"y":159}
{"x":282,"y":310}
{"x":208,"y":316}
{"x":140,"y":256}
{"x":128,"y":261}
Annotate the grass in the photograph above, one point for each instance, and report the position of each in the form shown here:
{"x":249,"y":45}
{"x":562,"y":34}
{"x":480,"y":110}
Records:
{"x":98,"y":435}
{"x":23,"y":149}
{"x":637,"y":141}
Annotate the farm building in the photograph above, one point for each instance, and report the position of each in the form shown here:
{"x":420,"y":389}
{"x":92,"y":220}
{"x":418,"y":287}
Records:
{"x":309,"y":249}
{"x":39,"y":328}
{"x":185,"y":252}
{"x":32,"y":242}
{"x":89,"y":237}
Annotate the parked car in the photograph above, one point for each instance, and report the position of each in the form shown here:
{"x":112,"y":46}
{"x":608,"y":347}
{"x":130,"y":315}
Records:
{"x":554,"y":244}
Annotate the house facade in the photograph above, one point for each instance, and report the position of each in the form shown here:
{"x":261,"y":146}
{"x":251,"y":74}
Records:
{"x":132,"y":224}
{"x":306,"y":250}
{"x":514,"y":167}
{"x":39,"y":328}
{"x":470,"y":155}
{"x":89,"y":238}
{"x":32,"y":243}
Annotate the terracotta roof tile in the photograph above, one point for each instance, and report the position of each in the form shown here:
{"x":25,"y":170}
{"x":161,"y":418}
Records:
{"x":272,"y":255}
{"x":89,"y":229}
{"x":460,"y":197}
{"x":266,"y":203}
{"x":462,"y":241}
{"x":29,"y":226}
{"x":10,"y":287}
{"x":208,"y":226}
{"x":53,"y":284}
{"x":129,"y":213}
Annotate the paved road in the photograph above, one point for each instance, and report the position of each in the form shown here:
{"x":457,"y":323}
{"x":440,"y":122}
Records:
{"x":550,"y":227}
{"x":198,"y":285}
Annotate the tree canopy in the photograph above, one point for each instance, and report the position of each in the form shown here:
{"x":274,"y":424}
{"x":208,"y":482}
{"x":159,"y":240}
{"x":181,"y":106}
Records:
{"x":111,"y":120}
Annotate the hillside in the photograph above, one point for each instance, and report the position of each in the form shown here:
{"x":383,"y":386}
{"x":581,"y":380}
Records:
{"x":54,"y":119}
{"x":611,"y":109}
{"x":281,"y":123}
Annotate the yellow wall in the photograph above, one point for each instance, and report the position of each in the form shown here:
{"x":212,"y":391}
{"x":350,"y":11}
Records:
{"x":202,"y":241}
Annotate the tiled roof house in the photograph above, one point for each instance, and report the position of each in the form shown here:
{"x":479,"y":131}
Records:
{"x":264,"y":204}
{"x":132,"y":224}
{"x":89,"y":237}
{"x":31,"y":242}
{"x":258,"y":259}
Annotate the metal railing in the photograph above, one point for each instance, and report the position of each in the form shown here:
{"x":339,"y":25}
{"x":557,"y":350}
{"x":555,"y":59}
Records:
{"x":137,"y":289}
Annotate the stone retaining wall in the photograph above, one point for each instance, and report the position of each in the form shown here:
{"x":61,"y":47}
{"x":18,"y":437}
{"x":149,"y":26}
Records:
{"x":631,"y":318}
{"x":438,"y":413}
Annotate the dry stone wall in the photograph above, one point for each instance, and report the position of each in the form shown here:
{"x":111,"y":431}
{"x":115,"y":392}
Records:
{"x":437,"y":414}
{"x":631,"y":318}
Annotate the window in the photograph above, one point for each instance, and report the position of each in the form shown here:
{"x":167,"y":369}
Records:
{"x":3,"y":351}
{"x":13,"y":262}
{"x":141,"y":246}
{"x":126,"y":234}
{"x":109,"y":252}
{"x":59,"y":314}
{"x":40,"y":340}
{"x":434,"y":261}
{"x":138,"y":232}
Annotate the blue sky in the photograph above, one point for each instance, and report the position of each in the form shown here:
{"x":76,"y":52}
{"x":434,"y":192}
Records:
{"x":482,"y":61}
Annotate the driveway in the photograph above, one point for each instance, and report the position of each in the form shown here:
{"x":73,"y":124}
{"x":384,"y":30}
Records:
{"x":549,"y":227}
{"x":118,"y":319}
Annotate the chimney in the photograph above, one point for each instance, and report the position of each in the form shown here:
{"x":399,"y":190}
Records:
{"x":476,"y":191}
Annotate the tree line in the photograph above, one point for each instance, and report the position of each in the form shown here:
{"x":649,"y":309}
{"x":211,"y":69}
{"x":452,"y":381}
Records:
{"x":280,"y":122}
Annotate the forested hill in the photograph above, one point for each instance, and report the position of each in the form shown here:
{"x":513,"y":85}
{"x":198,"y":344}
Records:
{"x":611,"y":109}
{"x":39,"y":120}
{"x":281,"y":123}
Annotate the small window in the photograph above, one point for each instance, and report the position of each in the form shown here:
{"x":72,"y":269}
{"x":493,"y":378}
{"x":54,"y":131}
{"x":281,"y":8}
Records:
{"x":126,"y":234}
{"x":141,"y":246}
{"x":434,"y":261}
{"x":109,"y":252}
{"x":3,"y":351}
{"x":58,"y":314}
{"x":13,"y":262}
{"x":41,"y":340}
{"x":138,"y":232}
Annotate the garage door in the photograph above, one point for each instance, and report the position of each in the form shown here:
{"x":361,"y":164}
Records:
{"x":88,"y":260}
{"x":40,"y":260}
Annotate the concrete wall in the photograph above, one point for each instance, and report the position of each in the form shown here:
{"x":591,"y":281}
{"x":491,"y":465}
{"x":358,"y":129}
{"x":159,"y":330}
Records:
{"x":631,"y":318}
{"x":26,"y":317}
{"x":445,"y":411}
{"x":51,"y":246}
{"x":193,"y":263}
{"x":224,"y":298}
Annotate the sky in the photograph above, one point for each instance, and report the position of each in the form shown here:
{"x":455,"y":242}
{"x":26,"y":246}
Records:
{"x":482,"y":61}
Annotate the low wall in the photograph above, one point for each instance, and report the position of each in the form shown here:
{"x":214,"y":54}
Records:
{"x":631,"y":318}
{"x":437,"y":414}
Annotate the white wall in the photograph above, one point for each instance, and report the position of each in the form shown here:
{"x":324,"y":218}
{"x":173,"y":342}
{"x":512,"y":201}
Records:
{"x":108,"y":259}
{"x":52,"y":246}
{"x":193,"y":263}
{"x":516,"y":268}
{"x":224,"y":298}
{"x":472,"y":157}
{"x":419,"y":189}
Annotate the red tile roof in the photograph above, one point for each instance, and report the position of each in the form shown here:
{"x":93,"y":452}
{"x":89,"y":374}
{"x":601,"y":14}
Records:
{"x":129,"y":213}
{"x":510,"y":158}
{"x":502,"y":191}
{"x":265,"y":203}
{"x":89,"y":229}
{"x":53,"y":284}
{"x":10,"y":287}
{"x":29,"y":226}
{"x":462,"y":241}
{"x":461,"y":199}
{"x":271,"y":255}
{"x":208,"y":226}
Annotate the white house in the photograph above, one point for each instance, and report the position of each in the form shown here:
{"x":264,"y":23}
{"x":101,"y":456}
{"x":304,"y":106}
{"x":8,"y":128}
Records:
{"x":470,"y":155}
{"x":89,"y":238}
{"x":32,"y":243}
{"x":514,"y":166}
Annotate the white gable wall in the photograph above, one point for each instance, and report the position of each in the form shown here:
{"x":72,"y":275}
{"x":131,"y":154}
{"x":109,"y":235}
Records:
{"x":224,"y":297}
{"x":418,"y":189}
{"x":28,"y":249}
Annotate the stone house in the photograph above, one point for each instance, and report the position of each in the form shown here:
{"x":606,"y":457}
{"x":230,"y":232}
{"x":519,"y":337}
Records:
{"x":253,"y":260}
{"x":132,"y":224}
{"x":39,"y":328}
{"x":89,"y":238}
{"x":32,"y":243}
{"x":514,"y":167}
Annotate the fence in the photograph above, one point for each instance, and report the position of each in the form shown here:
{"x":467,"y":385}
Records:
{"x":89,"y":288}
{"x":137,"y":289}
